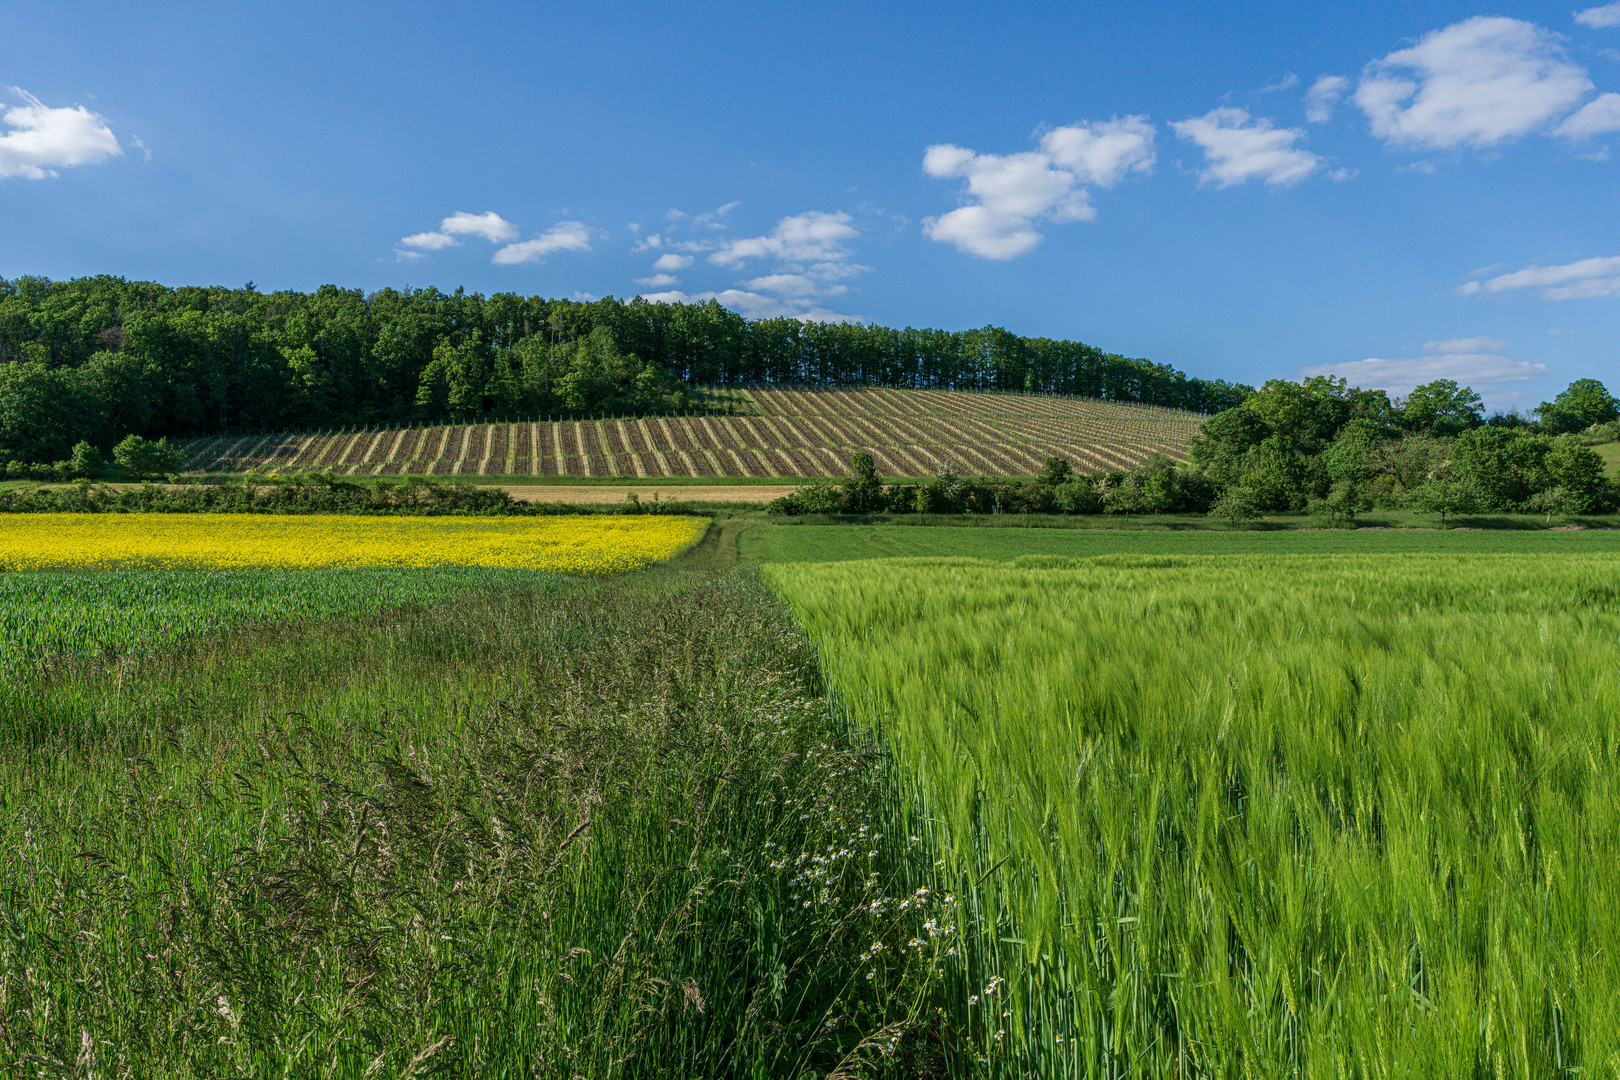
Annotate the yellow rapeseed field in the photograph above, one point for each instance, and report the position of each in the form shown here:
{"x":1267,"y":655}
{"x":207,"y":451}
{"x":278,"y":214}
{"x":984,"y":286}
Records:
{"x":569,"y":545}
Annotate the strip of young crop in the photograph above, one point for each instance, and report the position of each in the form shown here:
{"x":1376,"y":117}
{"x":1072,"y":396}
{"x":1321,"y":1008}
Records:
{"x":608,"y":831}
{"x":44,"y":616}
{"x":1259,"y":816}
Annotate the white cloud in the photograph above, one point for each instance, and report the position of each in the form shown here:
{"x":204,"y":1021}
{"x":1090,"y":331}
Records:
{"x":431,"y":241}
{"x":1011,"y":192}
{"x":563,"y":236}
{"x":1474,"y":83}
{"x":1466,"y":345}
{"x":1238,"y":149}
{"x":1323,"y":97}
{"x":1571,"y":281}
{"x":1102,"y":154}
{"x":1287,"y":82}
{"x":648,"y":243}
{"x":1482,"y":370}
{"x":491,"y":226}
{"x":1600,"y":17}
{"x":714,"y":219}
{"x":401,"y":255}
{"x":810,"y":251}
{"x":752,"y":305}
{"x":43,"y":139}
{"x":1597,"y":117}
{"x":789,"y":285}
{"x":814,"y":236}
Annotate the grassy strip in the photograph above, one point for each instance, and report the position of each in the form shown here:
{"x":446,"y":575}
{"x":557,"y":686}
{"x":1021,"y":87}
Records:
{"x":605,"y":830}
{"x":1260,"y":816}
{"x":117,"y":611}
{"x":773,"y":543}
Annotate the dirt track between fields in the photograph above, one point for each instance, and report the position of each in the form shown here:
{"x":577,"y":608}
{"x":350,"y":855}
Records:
{"x":686,"y":493}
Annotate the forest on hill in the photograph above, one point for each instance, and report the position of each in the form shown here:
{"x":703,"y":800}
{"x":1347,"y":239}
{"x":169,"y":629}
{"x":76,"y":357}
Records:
{"x":97,"y":359}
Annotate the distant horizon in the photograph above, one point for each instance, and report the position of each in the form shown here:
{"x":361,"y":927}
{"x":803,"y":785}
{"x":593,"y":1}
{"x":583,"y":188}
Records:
{"x":1388,"y":194}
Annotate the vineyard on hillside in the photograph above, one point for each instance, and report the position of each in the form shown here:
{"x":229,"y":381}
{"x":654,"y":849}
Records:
{"x":781,"y":432}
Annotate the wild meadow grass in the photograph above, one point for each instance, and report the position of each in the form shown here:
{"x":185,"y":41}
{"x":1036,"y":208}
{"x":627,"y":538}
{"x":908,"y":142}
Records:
{"x":1257,"y":816}
{"x":563,"y":828}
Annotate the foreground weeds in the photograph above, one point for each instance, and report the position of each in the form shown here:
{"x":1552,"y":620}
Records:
{"x":603,"y":830}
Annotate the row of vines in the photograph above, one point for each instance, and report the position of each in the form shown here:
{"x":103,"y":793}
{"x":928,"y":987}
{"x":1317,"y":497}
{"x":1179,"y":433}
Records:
{"x":796,"y":433}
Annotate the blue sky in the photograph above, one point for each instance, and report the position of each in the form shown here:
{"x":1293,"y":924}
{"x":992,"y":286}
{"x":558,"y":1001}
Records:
{"x":1392,"y":192}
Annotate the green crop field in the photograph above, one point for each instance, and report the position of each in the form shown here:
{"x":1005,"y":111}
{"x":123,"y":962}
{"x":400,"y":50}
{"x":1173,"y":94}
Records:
{"x":904,"y":801}
{"x":113,"y":612}
{"x":771,"y":542}
{"x":1258,"y":815}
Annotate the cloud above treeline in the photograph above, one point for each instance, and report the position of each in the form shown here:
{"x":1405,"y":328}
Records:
{"x":41,"y":139}
{"x":1475,"y":361}
{"x":808,"y":258}
{"x":1578,"y":280}
{"x":1473,"y":85}
{"x":490,"y":226}
{"x":1005,"y":196}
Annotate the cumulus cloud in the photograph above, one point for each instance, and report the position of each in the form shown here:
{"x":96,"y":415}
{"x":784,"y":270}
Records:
{"x":1599,"y":116}
{"x":1570,"y":281}
{"x":1238,"y":149}
{"x":815,"y":236}
{"x":430,"y":241}
{"x":1474,"y":83}
{"x":563,"y":236}
{"x":752,"y":305}
{"x":1466,"y":345}
{"x":1475,"y":362}
{"x":1600,"y":17}
{"x":1007,"y":194}
{"x":43,"y":139}
{"x":1323,"y":97}
{"x":491,"y":226}
{"x":810,"y":251}
{"x":789,"y":285}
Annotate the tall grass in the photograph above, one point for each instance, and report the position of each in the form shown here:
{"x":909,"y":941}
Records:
{"x":585,"y":829}
{"x":1260,"y":816}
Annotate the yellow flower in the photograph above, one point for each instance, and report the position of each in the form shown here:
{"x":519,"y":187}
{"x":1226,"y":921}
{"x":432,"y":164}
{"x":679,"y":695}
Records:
{"x":593,"y":544}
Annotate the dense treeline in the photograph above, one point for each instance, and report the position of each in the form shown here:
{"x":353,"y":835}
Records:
{"x":96,"y":359}
{"x":1318,"y":446}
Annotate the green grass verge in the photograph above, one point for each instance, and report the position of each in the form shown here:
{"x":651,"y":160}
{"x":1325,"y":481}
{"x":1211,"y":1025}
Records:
{"x":111,"y":612}
{"x":1259,"y":816}
{"x":604,"y":829}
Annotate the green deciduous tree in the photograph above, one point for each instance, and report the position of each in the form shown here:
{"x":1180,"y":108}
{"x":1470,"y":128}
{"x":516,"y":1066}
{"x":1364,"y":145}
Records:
{"x":140,"y":457}
{"x":1583,"y":403}
{"x":1442,"y":407}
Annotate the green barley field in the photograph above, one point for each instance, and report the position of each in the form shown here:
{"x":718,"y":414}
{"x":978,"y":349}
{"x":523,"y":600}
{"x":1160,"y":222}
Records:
{"x":1257,"y":816}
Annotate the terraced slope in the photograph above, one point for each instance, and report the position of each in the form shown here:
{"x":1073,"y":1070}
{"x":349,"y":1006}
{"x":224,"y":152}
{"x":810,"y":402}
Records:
{"x":794,"y":433}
